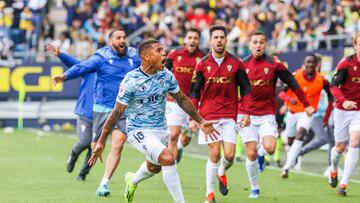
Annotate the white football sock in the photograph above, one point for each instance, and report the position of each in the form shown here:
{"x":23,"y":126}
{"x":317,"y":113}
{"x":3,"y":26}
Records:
{"x":224,"y":165}
{"x":211,"y":173}
{"x":261,"y":150}
{"x":252,"y":168}
{"x":335,"y":158}
{"x":172,"y":182}
{"x":179,"y":143}
{"x":350,"y":164}
{"x":141,"y":174}
{"x":293,"y":153}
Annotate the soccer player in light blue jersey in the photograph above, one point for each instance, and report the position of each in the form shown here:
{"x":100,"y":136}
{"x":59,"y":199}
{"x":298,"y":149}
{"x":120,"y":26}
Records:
{"x":110,"y":64}
{"x":142,"y":93}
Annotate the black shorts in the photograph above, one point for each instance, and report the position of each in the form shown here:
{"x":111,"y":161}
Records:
{"x":99,"y":121}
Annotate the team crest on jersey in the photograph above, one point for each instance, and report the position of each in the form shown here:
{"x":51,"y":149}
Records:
{"x":305,"y":89}
{"x":111,"y":61}
{"x":208,"y":68}
{"x":247,"y":71}
{"x":229,"y":67}
{"x":355,"y":68}
{"x":266,"y":70}
{"x":162,"y":83}
{"x":197,"y":59}
{"x":179,"y":58}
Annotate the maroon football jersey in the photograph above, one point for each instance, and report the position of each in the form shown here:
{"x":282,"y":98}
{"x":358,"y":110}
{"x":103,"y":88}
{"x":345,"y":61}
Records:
{"x":263,"y":74}
{"x":345,"y":84}
{"x":216,"y":87}
{"x":183,"y":66}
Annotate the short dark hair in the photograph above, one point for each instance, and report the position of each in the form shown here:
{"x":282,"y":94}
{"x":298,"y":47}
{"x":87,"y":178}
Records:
{"x":193,"y":30}
{"x":314,"y":56}
{"x":146,"y":44}
{"x":111,"y":33}
{"x":258,"y":33}
{"x":217,"y":27}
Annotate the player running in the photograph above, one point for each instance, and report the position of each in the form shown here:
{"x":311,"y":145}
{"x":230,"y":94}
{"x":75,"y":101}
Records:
{"x":142,"y":93}
{"x":345,"y":86}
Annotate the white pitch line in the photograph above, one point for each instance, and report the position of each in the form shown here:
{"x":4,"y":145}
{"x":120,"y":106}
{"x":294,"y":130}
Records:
{"x":197,"y":156}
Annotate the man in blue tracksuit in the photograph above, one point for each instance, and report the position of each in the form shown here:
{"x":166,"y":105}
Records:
{"x":110,"y":63}
{"x":84,"y":111}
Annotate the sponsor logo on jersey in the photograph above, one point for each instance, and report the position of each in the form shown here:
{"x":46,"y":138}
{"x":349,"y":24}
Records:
{"x":355,"y":79}
{"x":219,"y":80}
{"x":259,"y":83}
{"x":184,"y":69}
{"x":152,"y":99}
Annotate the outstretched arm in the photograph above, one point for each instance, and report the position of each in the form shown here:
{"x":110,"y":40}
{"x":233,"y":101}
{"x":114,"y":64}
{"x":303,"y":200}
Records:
{"x":108,"y":126}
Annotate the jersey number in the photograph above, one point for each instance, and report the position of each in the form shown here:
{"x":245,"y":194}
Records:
{"x":139,"y":136}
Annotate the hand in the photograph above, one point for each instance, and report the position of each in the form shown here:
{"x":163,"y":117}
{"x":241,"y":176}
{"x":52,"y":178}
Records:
{"x":96,"y":153}
{"x":245,"y":121}
{"x":309,"y":111}
{"x":349,"y":105}
{"x":283,"y":109}
{"x":325,"y":123}
{"x":52,"y":49}
{"x":193,"y":126}
{"x":209,"y":130}
{"x":58,"y":79}
{"x":292,"y":101}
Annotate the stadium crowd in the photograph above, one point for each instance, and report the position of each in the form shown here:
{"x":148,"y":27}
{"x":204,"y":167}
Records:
{"x":24,"y":23}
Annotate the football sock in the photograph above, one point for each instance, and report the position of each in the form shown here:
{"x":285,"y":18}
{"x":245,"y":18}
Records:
{"x":293,"y":153}
{"x":211,"y":174}
{"x":252,"y":169}
{"x":350,"y":164}
{"x":141,"y":174}
{"x":335,"y":158}
{"x":172,"y":182}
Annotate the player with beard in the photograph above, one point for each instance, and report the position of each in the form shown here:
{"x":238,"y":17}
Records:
{"x":181,"y":61}
{"x":110,"y":63}
{"x":142,"y":93}
{"x":215,"y":92}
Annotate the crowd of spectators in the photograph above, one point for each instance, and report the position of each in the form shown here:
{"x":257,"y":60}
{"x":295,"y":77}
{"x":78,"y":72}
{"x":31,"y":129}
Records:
{"x":288,"y":24}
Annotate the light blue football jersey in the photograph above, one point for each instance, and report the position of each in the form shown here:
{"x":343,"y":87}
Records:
{"x":145,"y":96}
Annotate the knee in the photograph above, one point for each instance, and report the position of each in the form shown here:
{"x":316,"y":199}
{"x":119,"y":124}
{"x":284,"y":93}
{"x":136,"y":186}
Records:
{"x":186,"y":140}
{"x":270,"y":149}
{"x":167,"y":159}
{"x":153,"y":168}
{"x":229,"y":157}
{"x":252,"y":155}
{"x":340,"y":147}
{"x":214,"y":157}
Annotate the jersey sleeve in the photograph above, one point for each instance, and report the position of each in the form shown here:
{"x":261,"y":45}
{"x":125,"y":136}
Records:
{"x":174,"y":85}
{"x":338,"y":79}
{"x":126,"y":91}
{"x":90,"y":65}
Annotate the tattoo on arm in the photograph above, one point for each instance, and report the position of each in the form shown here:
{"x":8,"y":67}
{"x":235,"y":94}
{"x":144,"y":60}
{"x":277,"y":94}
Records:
{"x":186,"y":104}
{"x":111,"y":120}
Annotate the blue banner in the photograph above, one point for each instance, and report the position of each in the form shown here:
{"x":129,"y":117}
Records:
{"x":38,"y":84}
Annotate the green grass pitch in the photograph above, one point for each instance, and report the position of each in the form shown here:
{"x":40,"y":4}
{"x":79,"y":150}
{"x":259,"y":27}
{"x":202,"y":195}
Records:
{"x":32,"y":170}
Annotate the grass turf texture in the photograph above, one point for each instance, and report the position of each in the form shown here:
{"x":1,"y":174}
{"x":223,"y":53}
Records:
{"x":32,"y":169}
